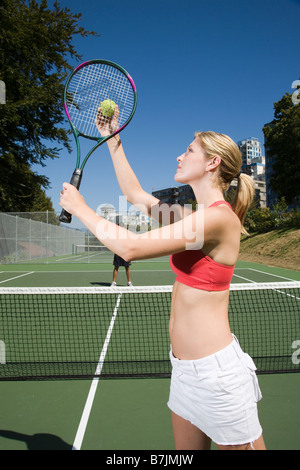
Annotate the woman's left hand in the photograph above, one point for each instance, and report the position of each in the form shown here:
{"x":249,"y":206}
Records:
{"x":71,"y":200}
{"x":107,"y":126}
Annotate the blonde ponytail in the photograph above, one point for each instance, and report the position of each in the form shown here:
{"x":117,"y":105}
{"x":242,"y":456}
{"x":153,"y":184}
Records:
{"x":229,"y":168}
{"x":243,"y":197}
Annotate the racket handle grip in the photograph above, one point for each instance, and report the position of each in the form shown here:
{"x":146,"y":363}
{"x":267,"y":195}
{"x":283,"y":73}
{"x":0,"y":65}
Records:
{"x":75,"y":181}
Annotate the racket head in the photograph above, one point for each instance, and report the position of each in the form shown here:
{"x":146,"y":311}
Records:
{"x":91,"y":83}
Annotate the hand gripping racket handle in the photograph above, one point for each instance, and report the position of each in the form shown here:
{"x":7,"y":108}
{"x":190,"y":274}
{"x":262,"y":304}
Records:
{"x":75,"y":181}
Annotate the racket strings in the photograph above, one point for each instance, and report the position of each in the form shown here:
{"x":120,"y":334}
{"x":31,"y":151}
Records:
{"x":89,"y":87}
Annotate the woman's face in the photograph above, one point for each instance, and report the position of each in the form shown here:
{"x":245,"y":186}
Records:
{"x":192,"y":163}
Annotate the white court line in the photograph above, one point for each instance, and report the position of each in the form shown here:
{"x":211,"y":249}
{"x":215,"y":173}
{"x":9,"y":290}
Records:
{"x":89,"y":402}
{"x":16,"y":277}
{"x":245,"y":279}
{"x":286,"y":294}
{"x":70,"y":257}
{"x":269,"y":274}
{"x":275,"y":290}
{"x":79,"y":257}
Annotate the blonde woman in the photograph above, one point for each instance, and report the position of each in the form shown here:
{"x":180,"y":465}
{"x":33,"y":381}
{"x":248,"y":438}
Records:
{"x":214,"y":389}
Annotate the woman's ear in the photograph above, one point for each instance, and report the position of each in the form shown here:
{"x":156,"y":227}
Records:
{"x":214,"y":162}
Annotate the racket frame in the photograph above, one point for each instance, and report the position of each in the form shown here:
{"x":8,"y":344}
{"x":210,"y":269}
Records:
{"x":77,"y":174}
{"x":76,"y":132}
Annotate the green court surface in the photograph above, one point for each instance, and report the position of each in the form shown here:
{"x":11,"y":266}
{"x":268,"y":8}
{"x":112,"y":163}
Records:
{"x":123,"y":414}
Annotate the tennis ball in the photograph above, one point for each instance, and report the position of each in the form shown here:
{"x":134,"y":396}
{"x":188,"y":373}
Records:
{"x":108,"y":108}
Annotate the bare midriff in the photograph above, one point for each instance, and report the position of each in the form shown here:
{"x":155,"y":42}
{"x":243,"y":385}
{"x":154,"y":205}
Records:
{"x":199,"y":324}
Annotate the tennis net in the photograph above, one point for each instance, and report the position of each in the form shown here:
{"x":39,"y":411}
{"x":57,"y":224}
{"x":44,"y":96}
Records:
{"x":51,"y":333}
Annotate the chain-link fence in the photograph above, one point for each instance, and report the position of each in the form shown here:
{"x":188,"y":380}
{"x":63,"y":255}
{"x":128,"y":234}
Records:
{"x":35,"y":236}
{"x":38,"y":237}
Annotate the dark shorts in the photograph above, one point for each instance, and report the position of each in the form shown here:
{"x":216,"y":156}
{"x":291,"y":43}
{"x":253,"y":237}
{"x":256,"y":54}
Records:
{"x":118,"y":261}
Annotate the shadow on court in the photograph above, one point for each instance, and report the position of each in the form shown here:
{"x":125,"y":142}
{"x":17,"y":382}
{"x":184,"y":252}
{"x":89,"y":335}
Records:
{"x":37,"y":441}
{"x":101,"y":284}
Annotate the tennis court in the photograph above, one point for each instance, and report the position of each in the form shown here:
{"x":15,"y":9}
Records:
{"x":131,"y":413}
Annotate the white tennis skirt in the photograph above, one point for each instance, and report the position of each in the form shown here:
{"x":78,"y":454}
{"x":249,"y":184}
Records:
{"x":218,"y":394}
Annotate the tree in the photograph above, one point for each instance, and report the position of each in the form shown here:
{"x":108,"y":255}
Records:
{"x":35,"y":46}
{"x":283,"y":144}
{"x":264,"y":219}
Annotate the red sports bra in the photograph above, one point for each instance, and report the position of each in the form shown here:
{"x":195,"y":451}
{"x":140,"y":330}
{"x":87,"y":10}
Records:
{"x":195,"y":269}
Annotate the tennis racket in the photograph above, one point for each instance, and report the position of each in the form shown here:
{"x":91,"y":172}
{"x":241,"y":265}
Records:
{"x":86,"y":87}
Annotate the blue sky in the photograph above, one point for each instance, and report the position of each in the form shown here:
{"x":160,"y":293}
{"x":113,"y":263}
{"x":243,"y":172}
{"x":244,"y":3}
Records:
{"x":198,"y":65}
